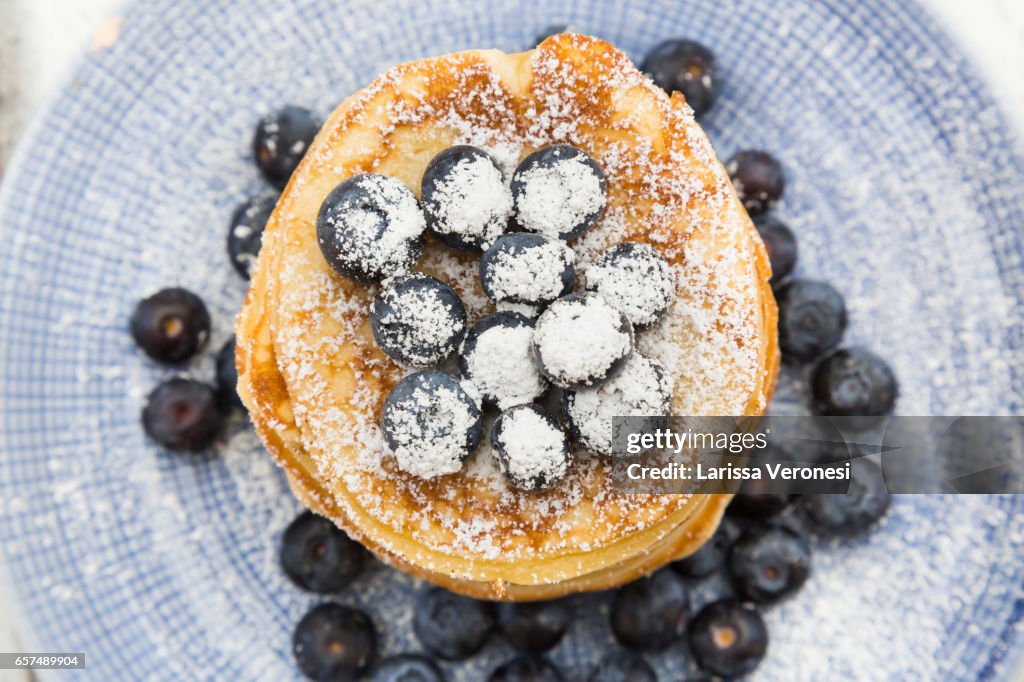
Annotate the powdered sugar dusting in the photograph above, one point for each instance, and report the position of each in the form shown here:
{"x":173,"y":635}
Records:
{"x":471,"y":201}
{"x":641,"y":389}
{"x":532,"y":274}
{"x":636,"y":280}
{"x":427,"y":429}
{"x":534,"y":447}
{"x":418,"y":324}
{"x":377,"y":238}
{"x":501,"y":367}
{"x":579,"y":337}
{"x":557,"y":198}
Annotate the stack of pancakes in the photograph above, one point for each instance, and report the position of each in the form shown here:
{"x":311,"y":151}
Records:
{"x":314,"y":381}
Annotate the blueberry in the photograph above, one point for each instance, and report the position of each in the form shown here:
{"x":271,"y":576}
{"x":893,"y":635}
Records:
{"x":534,"y":626}
{"x":728,"y":638}
{"x":183,"y":414}
{"x":465,"y":199}
{"x":846,"y":515}
{"x":527,"y":669}
{"x":558,"y":191}
{"x":711,"y":555}
{"x":523,"y":267}
{"x":812,"y":318}
{"x":245,"y":234}
{"x":532,"y":449}
{"x":318,"y":556}
{"x":281,"y":139}
{"x":762,"y":498}
{"x":758,"y":178}
{"x":853,"y":383}
{"x":334,"y":643}
{"x":370,"y":227}
{"x":636,"y":279}
{"x":641,"y":389}
{"x":172,"y":325}
{"x":623,"y":666}
{"x":780,"y":243}
{"x":496,"y":358}
{"x":431,"y":424}
{"x":650,"y":614}
{"x":417,"y":320}
{"x":685,"y":66}
{"x":451,"y":626}
{"x":769,"y":563}
{"x":548,"y":32}
{"x":407,"y":668}
{"x":752,"y":503}
{"x":581,"y":341}
{"x":227,"y":375}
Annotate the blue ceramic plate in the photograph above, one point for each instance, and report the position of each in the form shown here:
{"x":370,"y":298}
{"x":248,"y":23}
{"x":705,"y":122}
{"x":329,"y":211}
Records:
{"x":906,"y":191}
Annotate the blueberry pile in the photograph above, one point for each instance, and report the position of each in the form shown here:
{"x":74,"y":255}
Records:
{"x":372,"y":229}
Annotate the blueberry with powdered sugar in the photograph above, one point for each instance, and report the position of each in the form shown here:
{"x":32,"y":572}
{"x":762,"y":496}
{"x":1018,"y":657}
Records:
{"x":558,"y":191}
{"x":431,"y":424}
{"x":634,"y":278}
{"x":417,"y":320}
{"x":581,"y":340}
{"x":641,"y":389}
{"x":496,"y":359}
{"x":465,"y":199}
{"x":370,"y":227}
{"x":531,"y":447}
{"x":527,"y":268}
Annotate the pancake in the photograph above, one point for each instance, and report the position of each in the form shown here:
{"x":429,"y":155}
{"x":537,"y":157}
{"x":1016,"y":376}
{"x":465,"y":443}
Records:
{"x":314,"y":381}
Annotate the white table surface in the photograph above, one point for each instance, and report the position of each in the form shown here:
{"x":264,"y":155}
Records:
{"x":40,"y":39}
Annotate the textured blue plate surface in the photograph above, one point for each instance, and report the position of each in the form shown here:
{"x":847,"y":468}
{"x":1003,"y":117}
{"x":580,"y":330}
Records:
{"x":907,"y":191}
